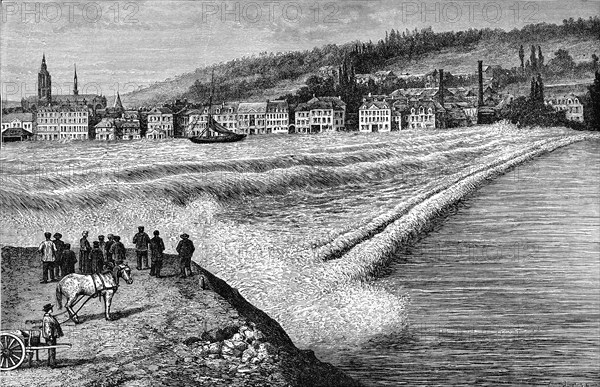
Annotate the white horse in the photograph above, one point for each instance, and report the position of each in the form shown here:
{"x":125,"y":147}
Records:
{"x":104,"y":284}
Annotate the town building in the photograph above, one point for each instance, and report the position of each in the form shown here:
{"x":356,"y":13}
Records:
{"x":106,"y":129}
{"x":194,"y":121}
{"x":160,"y":123}
{"x":425,"y":114}
{"x":364,"y":79}
{"x":226,"y":114}
{"x":17,"y":127}
{"x":62,"y":123}
{"x":130,"y":129}
{"x":385,"y":77}
{"x":74,"y":122}
{"x":321,"y":114}
{"x":569,"y":103}
{"x":277,"y":117}
{"x":328,"y":72}
{"x":375,"y":116}
{"x":48,"y":124}
{"x":252,"y":118}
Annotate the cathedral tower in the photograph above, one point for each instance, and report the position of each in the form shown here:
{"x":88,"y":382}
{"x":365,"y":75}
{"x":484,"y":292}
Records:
{"x":44,"y":84}
{"x":75,"y":91}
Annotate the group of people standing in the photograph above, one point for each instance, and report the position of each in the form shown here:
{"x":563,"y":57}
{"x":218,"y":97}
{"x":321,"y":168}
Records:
{"x":58,"y":260}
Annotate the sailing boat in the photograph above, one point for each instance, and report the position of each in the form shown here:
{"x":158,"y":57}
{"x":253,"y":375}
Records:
{"x":214,"y":132}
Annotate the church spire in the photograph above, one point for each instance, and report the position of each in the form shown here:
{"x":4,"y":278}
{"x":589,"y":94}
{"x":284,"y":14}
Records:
{"x":75,"y":91}
{"x":118,"y":105}
{"x":44,"y":84}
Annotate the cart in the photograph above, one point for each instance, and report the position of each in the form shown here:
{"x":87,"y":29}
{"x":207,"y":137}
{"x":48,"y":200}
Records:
{"x":21,"y":344}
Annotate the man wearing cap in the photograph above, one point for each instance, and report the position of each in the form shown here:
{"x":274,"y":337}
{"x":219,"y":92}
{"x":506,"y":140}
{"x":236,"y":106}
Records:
{"x":102,"y":245}
{"x":141,"y":241}
{"x":109,"y":243}
{"x":117,"y":250}
{"x":51,"y":330}
{"x":84,"y":251}
{"x":60,"y":246}
{"x":157,"y":246}
{"x":185,"y":248}
{"x":96,"y":259}
{"x":68,"y":260}
{"x":47,"y":251}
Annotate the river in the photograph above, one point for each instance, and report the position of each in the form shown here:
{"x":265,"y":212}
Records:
{"x":504,"y":291}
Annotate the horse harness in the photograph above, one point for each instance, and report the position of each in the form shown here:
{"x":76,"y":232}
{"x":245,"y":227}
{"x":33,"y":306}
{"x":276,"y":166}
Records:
{"x":104,"y":287}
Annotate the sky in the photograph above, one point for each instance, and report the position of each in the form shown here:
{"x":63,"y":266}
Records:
{"x":126,"y":45}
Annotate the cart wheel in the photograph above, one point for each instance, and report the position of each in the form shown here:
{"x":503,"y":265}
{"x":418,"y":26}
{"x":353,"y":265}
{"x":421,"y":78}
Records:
{"x":13,"y":351}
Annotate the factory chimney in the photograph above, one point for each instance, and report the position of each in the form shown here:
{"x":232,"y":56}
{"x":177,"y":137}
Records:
{"x":480,"y":73}
{"x":441,"y":87}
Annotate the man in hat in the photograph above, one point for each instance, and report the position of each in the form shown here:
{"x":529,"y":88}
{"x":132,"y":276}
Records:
{"x":51,"y":330}
{"x":185,"y":248}
{"x":117,"y":250}
{"x":109,"y":243}
{"x":60,"y":246}
{"x":68,"y":260}
{"x":84,"y":252}
{"x":157,"y":246}
{"x":96,"y":259}
{"x":47,"y":251}
{"x":141,"y":241}
{"x":102,"y":245}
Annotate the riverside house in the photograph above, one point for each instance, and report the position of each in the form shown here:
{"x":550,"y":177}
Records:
{"x":194,"y":121}
{"x":17,"y":126}
{"x":106,"y":129}
{"x":569,"y":103}
{"x":375,"y":116}
{"x":160,"y":123}
{"x":252,"y":118}
{"x":321,"y":114}
{"x":277,"y":117}
{"x":64,"y":122}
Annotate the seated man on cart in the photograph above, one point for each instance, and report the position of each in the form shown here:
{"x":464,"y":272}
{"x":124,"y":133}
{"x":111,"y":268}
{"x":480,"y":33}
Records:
{"x":51,"y":330}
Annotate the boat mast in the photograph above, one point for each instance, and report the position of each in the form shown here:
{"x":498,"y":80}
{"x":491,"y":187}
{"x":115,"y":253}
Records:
{"x":212,"y":91}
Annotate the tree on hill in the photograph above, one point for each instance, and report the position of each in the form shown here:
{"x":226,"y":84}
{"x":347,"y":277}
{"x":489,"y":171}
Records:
{"x":562,"y":61}
{"x":522,"y":56}
{"x":532,"y":59}
{"x":540,"y":58}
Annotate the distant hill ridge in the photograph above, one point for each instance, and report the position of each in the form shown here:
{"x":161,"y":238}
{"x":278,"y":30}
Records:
{"x":269,"y":75}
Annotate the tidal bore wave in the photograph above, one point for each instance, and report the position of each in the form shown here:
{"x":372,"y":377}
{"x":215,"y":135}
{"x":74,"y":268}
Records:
{"x":319,"y":294}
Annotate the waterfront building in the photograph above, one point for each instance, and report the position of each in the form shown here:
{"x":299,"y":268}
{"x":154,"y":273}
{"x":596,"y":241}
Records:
{"x":17,"y":126}
{"x":375,"y":116}
{"x":277,"y":117}
{"x":425,"y":114}
{"x":321,"y":114}
{"x":251,"y":118}
{"x":569,"y":103}
{"x":106,"y":129}
{"x":62,"y":122}
{"x":226,"y":114}
{"x":130,"y":129}
{"x":160,"y":123}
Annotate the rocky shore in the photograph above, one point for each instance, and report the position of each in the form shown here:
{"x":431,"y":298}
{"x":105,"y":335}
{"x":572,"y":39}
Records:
{"x":166,"y":332}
